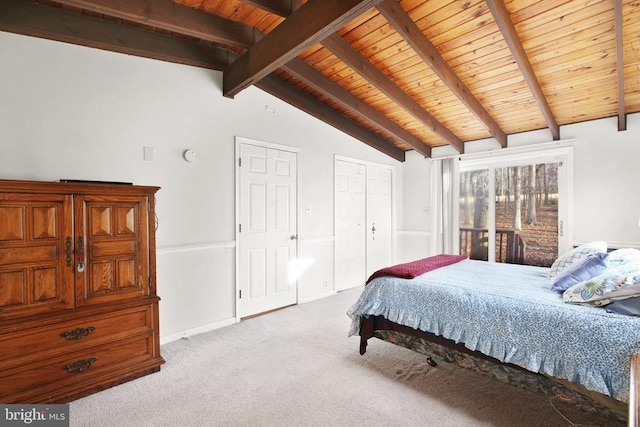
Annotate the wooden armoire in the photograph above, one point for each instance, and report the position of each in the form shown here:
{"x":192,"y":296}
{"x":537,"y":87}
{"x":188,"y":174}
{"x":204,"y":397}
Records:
{"x":78,"y":303}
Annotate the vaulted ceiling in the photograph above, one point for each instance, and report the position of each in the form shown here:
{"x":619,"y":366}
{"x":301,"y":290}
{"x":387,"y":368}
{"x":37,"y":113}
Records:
{"x":398,"y":75}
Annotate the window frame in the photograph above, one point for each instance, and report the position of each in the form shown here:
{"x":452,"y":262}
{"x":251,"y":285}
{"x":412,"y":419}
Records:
{"x":520,"y":157}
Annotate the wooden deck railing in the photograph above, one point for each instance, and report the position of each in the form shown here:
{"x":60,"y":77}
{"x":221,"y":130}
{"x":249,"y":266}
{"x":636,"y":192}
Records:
{"x":510,"y":247}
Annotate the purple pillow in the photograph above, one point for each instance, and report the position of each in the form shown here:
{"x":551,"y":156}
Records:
{"x":581,"y":270}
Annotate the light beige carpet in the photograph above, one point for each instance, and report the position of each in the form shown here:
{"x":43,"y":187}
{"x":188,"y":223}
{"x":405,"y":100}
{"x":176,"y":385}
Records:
{"x":297,"y":367}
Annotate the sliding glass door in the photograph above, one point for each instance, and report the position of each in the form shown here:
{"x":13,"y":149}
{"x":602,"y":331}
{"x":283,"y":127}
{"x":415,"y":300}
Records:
{"x":513,"y":209}
{"x":474,"y":214}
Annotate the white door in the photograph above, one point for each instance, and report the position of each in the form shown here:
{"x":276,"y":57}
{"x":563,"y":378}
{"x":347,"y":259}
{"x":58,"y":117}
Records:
{"x":363,"y":221}
{"x":350,"y":219}
{"x":379,"y":225}
{"x":267,"y":235}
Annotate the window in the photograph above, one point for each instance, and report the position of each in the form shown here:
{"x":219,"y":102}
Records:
{"x":514,"y":208}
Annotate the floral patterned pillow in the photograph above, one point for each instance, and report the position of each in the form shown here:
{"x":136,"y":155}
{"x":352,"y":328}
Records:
{"x":614,"y":284}
{"x":581,"y":270}
{"x":623,"y":256}
{"x":573,"y":255}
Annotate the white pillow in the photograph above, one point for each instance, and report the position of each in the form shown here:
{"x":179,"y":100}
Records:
{"x":573,"y":255}
{"x":624,"y":256}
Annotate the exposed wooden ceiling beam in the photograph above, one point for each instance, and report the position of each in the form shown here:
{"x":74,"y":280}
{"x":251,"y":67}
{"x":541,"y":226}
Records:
{"x":508,"y":30}
{"x":308,"y":25}
{"x":622,"y":117}
{"x":350,"y":56}
{"x":278,"y":7}
{"x":314,"y":78}
{"x":171,"y":16}
{"x":32,"y":18}
{"x":359,"y":63}
{"x":405,"y":26}
{"x":311,"y":105}
{"x":182,"y":20}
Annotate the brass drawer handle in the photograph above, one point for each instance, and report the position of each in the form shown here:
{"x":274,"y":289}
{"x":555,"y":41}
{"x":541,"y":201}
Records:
{"x":79,"y":365}
{"x":77,"y":333}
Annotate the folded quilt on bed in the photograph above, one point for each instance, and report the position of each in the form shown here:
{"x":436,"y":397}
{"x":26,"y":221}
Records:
{"x":414,"y":269}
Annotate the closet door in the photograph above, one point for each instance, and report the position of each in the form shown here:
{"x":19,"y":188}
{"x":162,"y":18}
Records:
{"x":363,"y":221}
{"x":379,"y":224}
{"x":350,"y":224}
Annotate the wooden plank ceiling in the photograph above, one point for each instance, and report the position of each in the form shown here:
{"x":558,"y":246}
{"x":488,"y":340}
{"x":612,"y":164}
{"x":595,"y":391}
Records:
{"x":398,"y":75}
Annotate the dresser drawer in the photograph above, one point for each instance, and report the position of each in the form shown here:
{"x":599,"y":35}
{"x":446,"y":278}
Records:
{"x":17,"y":348}
{"x":80,"y":367}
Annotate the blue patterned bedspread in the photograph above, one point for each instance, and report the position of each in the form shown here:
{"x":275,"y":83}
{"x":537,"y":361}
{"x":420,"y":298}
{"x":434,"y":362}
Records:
{"x":508,"y":312}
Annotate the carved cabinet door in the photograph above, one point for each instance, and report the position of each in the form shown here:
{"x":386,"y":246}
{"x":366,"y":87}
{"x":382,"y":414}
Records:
{"x":36,"y":254}
{"x":112,"y":259}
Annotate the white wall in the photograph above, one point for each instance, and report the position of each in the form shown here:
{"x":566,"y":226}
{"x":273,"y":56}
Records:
{"x":72,"y":112}
{"x":414,"y":238}
{"x":606,"y":183}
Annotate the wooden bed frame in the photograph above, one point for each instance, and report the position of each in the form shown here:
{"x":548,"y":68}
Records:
{"x":372,"y":324}
{"x":634,"y":391}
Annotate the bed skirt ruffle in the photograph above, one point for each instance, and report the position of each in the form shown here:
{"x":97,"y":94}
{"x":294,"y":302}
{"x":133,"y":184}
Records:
{"x":520,"y":378}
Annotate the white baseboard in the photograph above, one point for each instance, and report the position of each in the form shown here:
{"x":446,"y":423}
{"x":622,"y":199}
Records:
{"x":221,"y":324}
{"x":195,"y":331}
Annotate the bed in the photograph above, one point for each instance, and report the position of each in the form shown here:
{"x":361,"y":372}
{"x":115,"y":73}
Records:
{"x":505,"y":319}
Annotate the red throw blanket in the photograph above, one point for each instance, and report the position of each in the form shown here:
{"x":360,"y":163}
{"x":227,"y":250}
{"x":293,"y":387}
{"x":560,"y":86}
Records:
{"x":416,"y":268}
